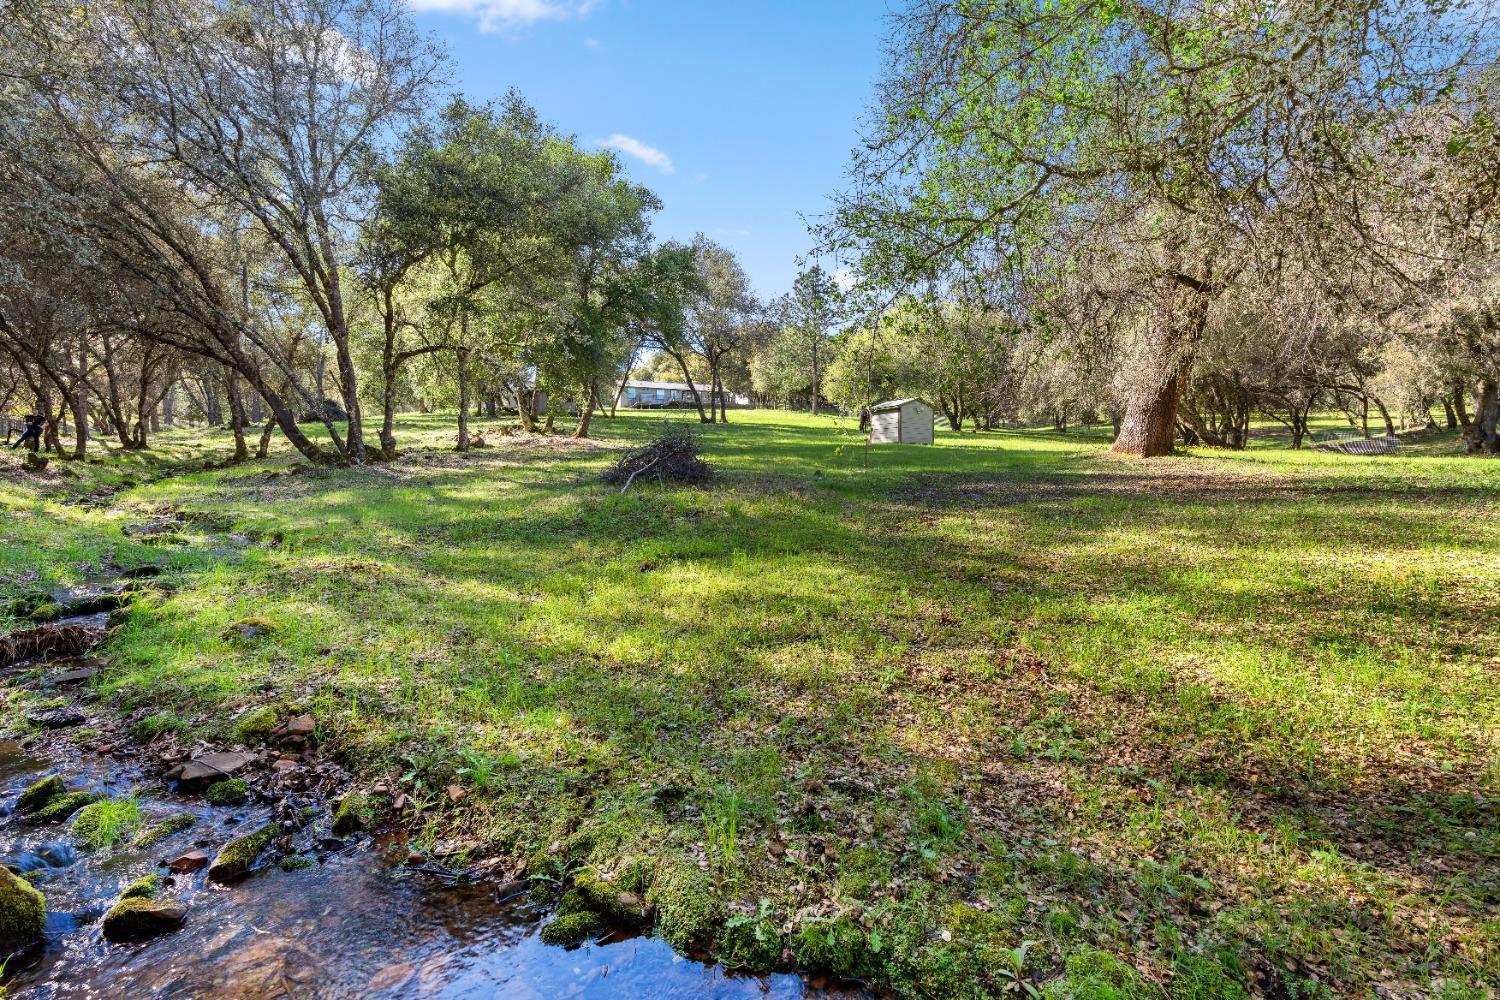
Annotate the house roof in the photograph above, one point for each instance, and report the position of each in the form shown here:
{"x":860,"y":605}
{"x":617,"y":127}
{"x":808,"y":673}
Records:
{"x":895,"y":404}
{"x":633,"y":384}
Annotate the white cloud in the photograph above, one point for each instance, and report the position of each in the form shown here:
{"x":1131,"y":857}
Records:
{"x":649,"y":155}
{"x":845,"y":279}
{"x":496,"y":15}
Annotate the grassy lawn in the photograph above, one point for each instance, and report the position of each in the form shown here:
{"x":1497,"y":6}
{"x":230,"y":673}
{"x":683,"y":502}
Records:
{"x":1192,"y":726}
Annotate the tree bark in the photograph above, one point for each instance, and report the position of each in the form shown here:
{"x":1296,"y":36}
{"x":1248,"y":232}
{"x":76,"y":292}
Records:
{"x":237,"y":416}
{"x":463,"y":394}
{"x":1483,"y":436}
{"x":1160,"y":368}
{"x":588,"y":411}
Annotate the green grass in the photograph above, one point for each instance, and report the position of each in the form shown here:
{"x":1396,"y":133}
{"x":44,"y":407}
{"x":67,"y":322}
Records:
{"x":1219,"y":715}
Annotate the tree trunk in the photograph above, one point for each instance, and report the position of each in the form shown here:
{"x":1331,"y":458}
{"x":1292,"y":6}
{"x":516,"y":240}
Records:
{"x":1452,"y":417}
{"x":463,"y":395}
{"x":80,"y":400}
{"x":1483,"y":436}
{"x":1385,"y":415}
{"x":1161,"y":367}
{"x":588,"y":411}
{"x":1461,"y":407}
{"x":237,"y":416}
{"x":263,"y":448}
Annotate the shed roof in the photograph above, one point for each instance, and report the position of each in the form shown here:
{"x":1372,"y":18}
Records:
{"x":895,"y":404}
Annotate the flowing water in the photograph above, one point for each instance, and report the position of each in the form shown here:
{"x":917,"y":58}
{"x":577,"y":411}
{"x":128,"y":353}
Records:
{"x":356,"y":925}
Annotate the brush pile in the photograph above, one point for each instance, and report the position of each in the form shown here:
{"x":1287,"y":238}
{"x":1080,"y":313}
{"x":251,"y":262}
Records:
{"x":671,"y":458}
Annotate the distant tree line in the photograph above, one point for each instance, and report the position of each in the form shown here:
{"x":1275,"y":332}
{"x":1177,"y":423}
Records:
{"x":259,"y":214}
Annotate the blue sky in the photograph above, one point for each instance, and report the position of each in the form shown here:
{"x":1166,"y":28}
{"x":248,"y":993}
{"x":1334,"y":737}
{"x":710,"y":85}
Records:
{"x":740,"y":114}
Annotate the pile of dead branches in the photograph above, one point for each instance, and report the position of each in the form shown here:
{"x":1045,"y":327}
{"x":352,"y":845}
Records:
{"x":671,"y":458}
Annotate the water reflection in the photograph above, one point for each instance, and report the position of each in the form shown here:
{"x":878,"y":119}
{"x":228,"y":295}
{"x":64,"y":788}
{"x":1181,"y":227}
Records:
{"x":354,"y":926}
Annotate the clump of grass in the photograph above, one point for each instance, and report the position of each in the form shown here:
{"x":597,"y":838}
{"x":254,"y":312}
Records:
{"x":155,"y":725}
{"x":105,"y":823}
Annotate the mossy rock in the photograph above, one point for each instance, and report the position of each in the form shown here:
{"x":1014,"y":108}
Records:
{"x":162,"y":829}
{"x":571,"y":928}
{"x":357,"y":811}
{"x":543,"y":864}
{"x":296,"y":862}
{"x":137,"y":918}
{"x":23,"y":912}
{"x":687,"y":910}
{"x":837,"y":945}
{"x":615,"y":905}
{"x":62,"y":807}
{"x":229,"y":792}
{"x":256,"y":726}
{"x":236,"y":858}
{"x":145,"y":887}
{"x":49,"y":612}
{"x":39,"y":794}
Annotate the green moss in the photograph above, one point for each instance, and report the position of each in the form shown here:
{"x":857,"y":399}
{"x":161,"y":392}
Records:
{"x":1196,"y":977}
{"x":297,"y":862}
{"x":43,"y":613}
{"x":62,"y":807}
{"x":687,"y":909}
{"x":237,"y":857}
{"x":543,"y":864}
{"x":834,"y":944}
{"x":136,"y":917}
{"x":357,"y":811}
{"x":162,"y":829}
{"x":153,"y":726}
{"x":229,"y":792}
{"x":23,"y":912}
{"x":636,"y":875}
{"x":104,"y":823}
{"x":145,"y":887}
{"x":39,"y":794}
{"x":571,"y":928}
{"x":1097,"y":975}
{"x":599,"y":895}
{"x":751,"y":941}
{"x":256,"y":726}
{"x":862,"y":870}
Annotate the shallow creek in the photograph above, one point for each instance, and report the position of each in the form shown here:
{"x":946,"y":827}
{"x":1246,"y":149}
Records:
{"x":355,"y":925}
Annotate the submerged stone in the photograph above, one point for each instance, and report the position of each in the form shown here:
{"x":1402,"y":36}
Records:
{"x":161,"y":830}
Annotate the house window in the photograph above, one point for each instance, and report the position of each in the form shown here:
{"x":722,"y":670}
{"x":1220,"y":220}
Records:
{"x":630,"y":393}
{"x":661,"y":394}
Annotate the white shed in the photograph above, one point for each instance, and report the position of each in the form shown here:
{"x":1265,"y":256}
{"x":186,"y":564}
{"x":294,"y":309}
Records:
{"x":901,"y":421}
